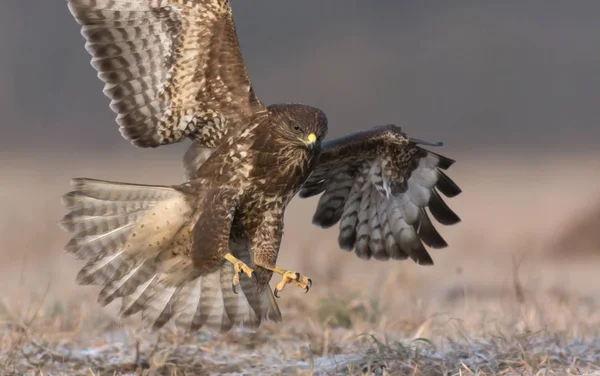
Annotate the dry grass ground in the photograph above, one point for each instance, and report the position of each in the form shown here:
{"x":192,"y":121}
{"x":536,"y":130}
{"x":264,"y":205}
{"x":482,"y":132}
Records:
{"x":496,"y":302}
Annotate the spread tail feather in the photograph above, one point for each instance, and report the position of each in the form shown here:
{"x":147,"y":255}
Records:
{"x":136,"y":240}
{"x":118,"y":227}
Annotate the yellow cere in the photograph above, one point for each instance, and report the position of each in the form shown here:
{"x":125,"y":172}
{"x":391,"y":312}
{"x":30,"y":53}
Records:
{"x":312,"y":138}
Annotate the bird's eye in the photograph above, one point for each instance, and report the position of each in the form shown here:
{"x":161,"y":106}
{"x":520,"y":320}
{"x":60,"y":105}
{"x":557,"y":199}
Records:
{"x":297,"y":128}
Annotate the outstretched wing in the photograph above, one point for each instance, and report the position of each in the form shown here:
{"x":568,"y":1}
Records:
{"x":377,"y":184}
{"x":172,"y":68}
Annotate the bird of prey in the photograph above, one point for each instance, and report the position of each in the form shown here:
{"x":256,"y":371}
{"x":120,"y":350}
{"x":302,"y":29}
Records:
{"x":201,"y":253}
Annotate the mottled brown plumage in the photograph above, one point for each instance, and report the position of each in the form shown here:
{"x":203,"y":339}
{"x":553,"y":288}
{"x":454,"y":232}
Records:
{"x":173,"y":69}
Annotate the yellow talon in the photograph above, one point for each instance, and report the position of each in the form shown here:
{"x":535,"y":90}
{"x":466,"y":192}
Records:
{"x":239,"y":267}
{"x":288,"y":276}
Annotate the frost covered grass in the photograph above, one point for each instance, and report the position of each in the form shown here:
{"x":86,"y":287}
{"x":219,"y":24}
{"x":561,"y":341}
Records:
{"x":503,"y":332}
{"x":497,"y":300}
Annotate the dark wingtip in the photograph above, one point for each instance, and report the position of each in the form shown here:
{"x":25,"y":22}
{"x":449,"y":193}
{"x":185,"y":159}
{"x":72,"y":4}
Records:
{"x":310,"y":189}
{"x":304,"y":193}
{"x":428,"y":233}
{"x":441,"y":211}
{"x":447,"y":186}
{"x":324,"y":221}
{"x":419,"y":254}
{"x":425,"y":262}
{"x":444,"y":162}
{"x":346,"y":243}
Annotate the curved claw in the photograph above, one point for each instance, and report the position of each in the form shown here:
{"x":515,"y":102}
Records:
{"x":308,"y":286}
{"x":276,"y":293}
{"x":254,"y":277}
{"x":233,"y":288}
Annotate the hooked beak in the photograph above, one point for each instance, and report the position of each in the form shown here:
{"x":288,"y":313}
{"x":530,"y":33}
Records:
{"x":310,"y":141}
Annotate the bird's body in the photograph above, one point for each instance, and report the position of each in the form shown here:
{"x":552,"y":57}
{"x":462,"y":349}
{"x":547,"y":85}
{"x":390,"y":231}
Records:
{"x":173,"y":70}
{"x":244,"y":163}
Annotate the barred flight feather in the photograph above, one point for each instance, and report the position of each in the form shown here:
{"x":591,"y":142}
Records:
{"x":136,"y":239}
{"x":379,"y":196}
{"x":172,"y":68}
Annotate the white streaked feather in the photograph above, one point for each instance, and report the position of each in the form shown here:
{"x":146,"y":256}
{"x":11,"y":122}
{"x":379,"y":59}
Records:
{"x":245,"y":313}
{"x":95,"y":274}
{"x":89,"y":224}
{"x":363,"y":214}
{"x":102,"y":238}
{"x":236,"y":305}
{"x":159,"y":304}
{"x":389,"y":240}
{"x":96,"y":266}
{"x":187,"y":304}
{"x":349,"y":219}
{"x":213,"y":305}
{"x":376,"y":236}
{"x":120,"y":5}
{"x":130,"y":300}
{"x":115,"y":191}
{"x":396,"y":219}
{"x":84,"y":205}
{"x":106,"y":295}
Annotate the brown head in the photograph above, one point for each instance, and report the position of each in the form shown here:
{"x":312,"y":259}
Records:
{"x":291,"y":128}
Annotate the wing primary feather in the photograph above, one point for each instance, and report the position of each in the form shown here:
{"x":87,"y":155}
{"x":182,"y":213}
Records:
{"x":411,"y":244}
{"x":331,"y":204}
{"x":361,"y":247}
{"x":441,"y":211}
{"x":183,"y":55}
{"x":447,"y":186}
{"x":385,"y":214}
{"x":310,"y":190}
{"x":377,"y":236}
{"x":421,"y":256}
{"x":444,"y":162}
{"x":349,"y":221}
{"x":428,"y":233}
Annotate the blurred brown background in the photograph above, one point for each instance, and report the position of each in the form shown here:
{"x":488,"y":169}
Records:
{"x":512,"y":88}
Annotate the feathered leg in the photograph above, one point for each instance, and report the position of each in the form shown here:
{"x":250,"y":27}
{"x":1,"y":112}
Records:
{"x":265,"y":242}
{"x":212,"y":232}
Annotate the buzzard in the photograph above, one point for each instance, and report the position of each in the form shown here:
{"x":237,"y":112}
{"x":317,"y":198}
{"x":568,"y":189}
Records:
{"x":201,"y":254}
